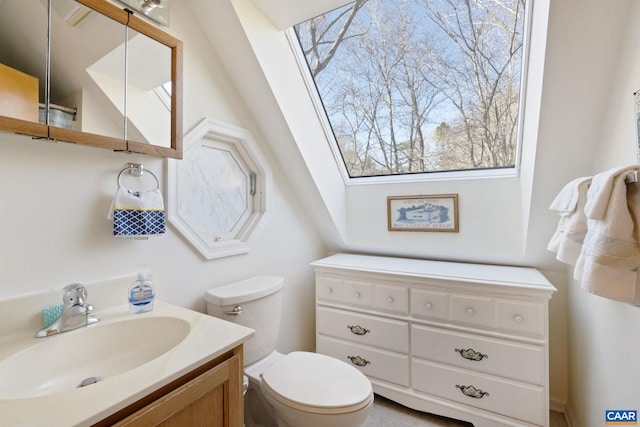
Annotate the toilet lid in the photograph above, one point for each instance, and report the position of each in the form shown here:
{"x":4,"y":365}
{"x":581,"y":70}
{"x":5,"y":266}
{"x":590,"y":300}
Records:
{"x":317,"y":383}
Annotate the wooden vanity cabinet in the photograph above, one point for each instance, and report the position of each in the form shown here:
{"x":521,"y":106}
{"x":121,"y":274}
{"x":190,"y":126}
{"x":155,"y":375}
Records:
{"x":210,"y":396}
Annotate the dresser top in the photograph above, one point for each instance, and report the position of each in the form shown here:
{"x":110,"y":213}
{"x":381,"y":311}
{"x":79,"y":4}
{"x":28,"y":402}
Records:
{"x":442,"y":270}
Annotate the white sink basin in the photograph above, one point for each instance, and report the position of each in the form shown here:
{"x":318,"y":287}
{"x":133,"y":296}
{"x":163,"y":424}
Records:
{"x":62,"y":362}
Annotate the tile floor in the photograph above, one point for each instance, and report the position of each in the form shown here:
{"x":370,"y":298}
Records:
{"x":385,"y":413}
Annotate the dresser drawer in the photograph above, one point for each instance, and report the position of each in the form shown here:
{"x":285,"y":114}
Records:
{"x":523,"y":317}
{"x":430,"y":304}
{"x":493,"y":356}
{"x":391,"y":298}
{"x":362,"y":329}
{"x":328,"y":288}
{"x":476,"y":311}
{"x":357,"y":293}
{"x":505,"y":397}
{"x":372,"y":362}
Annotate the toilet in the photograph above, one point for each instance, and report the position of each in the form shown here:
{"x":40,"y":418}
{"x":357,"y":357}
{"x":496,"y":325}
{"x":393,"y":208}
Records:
{"x":292,"y":390}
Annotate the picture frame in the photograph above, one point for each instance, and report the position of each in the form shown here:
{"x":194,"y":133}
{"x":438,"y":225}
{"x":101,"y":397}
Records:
{"x":437,"y":212}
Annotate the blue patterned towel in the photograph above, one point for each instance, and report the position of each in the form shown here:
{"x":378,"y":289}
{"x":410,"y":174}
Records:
{"x":138,"y":213}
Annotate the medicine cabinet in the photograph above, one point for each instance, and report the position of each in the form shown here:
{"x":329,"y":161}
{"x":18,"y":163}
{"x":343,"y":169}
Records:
{"x":92,"y":73}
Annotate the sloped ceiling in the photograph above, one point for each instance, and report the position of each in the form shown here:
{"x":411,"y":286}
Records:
{"x":286,"y":13}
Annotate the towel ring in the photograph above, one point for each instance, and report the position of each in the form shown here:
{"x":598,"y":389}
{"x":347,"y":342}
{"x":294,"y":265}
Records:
{"x":137,"y":170}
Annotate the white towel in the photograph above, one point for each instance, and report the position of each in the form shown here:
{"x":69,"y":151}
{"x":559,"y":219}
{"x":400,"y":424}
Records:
{"x":572,"y":227}
{"x":138,"y":213}
{"x":601,"y":188}
{"x":566,"y":201}
{"x":610,"y":258}
{"x":633,"y":200}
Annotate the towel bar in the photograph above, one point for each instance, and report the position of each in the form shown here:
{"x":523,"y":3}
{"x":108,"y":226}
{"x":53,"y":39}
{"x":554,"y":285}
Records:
{"x":632,"y":178}
{"x":138,"y":170}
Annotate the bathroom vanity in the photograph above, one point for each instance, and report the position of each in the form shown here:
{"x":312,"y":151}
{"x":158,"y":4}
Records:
{"x":210,"y":394}
{"x":466,"y":341}
{"x":167,"y":367}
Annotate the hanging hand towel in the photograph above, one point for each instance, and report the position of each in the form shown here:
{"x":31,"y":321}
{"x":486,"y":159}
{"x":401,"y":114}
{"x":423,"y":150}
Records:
{"x":138,"y":213}
{"x":610,"y":258}
{"x":572,"y":227}
{"x":601,"y":188}
{"x":633,"y":200}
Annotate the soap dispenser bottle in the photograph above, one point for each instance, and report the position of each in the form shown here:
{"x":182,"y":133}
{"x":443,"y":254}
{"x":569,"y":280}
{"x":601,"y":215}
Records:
{"x":141,"y":294}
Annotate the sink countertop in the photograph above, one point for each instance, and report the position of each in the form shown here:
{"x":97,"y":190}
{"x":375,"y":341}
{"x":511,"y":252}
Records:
{"x":208,"y":338}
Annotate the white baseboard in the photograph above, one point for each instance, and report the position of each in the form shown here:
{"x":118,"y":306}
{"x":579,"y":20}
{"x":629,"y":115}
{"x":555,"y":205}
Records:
{"x":557,"y":405}
{"x":570,"y":417}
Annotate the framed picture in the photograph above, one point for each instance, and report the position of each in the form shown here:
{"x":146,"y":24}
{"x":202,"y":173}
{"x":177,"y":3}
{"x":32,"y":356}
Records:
{"x":437,"y":212}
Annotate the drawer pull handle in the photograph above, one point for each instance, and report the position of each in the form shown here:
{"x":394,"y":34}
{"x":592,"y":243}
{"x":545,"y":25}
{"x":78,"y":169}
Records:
{"x":471,"y":391}
{"x":390,"y":300}
{"x":357,"y":294}
{"x":358,"y":361}
{"x":517,"y":318}
{"x":471,"y":354}
{"x":471,"y":311}
{"x":358,"y":330}
{"x":428,"y":306}
{"x":329,"y":290}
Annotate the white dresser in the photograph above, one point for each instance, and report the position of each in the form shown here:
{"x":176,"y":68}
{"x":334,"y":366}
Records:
{"x":467,"y":341}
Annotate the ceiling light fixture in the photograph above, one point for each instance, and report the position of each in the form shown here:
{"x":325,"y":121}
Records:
{"x":148,"y":5}
{"x":156,"y":10}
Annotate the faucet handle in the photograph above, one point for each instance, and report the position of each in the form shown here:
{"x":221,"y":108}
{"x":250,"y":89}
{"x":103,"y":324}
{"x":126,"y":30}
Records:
{"x":75,"y":286}
{"x":74,"y":294}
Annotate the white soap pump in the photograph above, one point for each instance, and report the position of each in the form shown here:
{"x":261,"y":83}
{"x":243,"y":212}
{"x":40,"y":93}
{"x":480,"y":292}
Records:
{"x":141,"y":294}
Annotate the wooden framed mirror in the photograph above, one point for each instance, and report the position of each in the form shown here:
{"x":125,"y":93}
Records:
{"x":88,"y":96}
{"x":22,"y":67}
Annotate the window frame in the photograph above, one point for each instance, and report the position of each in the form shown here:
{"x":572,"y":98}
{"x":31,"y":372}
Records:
{"x":489,"y":173}
{"x":242,"y":148}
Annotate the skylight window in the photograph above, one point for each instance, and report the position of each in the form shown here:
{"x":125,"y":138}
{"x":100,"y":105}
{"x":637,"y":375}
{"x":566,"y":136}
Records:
{"x":164,"y":93}
{"x":415,"y":86}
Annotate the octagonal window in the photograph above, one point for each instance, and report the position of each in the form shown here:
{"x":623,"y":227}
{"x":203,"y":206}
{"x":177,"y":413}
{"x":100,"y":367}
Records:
{"x":217,"y":192}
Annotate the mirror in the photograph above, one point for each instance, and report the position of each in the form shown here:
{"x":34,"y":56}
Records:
{"x":22,"y":67}
{"x":149,"y":90}
{"x":86,"y":90}
{"x":88,"y":96}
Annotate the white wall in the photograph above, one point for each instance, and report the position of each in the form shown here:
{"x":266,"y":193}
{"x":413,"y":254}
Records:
{"x":56,"y":197}
{"x":604,"y":342}
{"x":488,"y":208}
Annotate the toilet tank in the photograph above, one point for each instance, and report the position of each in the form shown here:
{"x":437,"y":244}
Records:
{"x":260,"y":299}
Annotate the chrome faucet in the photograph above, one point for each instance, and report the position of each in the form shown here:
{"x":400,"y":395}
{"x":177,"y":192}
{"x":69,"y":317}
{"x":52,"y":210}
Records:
{"x":75,"y":312}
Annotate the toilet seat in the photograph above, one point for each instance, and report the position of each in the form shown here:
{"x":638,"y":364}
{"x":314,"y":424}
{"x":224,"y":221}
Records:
{"x":316,"y":383}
